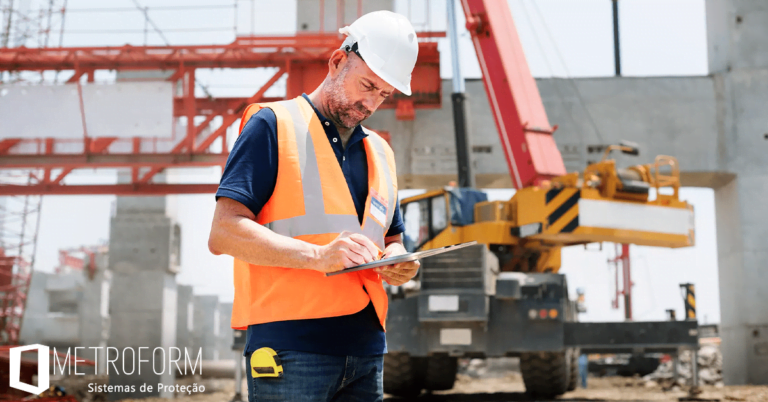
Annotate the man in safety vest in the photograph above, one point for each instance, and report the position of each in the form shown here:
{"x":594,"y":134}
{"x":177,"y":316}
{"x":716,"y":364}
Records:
{"x":307,"y":191}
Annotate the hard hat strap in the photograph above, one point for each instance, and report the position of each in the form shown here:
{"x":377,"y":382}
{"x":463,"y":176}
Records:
{"x":354,"y":49}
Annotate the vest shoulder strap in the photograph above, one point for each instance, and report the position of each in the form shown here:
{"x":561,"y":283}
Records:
{"x":251,"y":109}
{"x":380,"y":142}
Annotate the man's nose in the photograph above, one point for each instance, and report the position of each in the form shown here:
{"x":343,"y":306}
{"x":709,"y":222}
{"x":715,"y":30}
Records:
{"x":370,"y":104}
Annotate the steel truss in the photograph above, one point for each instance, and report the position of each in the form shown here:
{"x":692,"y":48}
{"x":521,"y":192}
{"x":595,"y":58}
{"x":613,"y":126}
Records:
{"x":303,"y":58}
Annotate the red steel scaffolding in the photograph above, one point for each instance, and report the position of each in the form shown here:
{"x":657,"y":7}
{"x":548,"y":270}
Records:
{"x":19,"y":221}
{"x":303,"y":58}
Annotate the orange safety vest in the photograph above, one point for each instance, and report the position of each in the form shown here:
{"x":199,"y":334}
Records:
{"x":311,"y":202}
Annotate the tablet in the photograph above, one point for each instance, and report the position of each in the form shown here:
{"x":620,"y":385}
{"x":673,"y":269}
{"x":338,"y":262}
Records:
{"x":403,"y":258}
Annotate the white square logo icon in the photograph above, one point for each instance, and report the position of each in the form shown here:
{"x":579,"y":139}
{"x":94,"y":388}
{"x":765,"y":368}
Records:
{"x":43,"y":377}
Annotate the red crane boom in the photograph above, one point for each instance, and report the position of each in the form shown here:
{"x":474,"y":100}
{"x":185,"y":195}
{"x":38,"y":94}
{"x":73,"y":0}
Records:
{"x":524,"y":130}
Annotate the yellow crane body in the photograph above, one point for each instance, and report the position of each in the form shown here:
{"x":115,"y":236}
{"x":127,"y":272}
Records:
{"x":639,"y":205}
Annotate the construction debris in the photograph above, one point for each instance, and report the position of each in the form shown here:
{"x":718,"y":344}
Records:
{"x":493,"y":367}
{"x":710,"y":365}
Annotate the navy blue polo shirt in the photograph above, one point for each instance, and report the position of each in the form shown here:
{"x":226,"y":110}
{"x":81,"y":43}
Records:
{"x":249,"y":178}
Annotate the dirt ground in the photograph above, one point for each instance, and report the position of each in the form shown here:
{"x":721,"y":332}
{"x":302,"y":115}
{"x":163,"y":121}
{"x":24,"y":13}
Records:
{"x":507,"y":388}
{"x":510,"y":388}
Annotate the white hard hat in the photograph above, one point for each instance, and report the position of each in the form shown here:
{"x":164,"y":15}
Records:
{"x":387,"y":43}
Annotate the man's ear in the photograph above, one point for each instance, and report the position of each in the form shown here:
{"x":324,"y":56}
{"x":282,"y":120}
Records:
{"x":337,"y":61}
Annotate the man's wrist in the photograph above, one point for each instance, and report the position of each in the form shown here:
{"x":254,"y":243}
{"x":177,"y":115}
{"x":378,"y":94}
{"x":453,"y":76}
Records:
{"x":310,"y":256}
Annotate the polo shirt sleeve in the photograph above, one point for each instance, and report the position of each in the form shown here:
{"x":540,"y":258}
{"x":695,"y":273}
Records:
{"x":397,"y":225}
{"x":250,"y":174}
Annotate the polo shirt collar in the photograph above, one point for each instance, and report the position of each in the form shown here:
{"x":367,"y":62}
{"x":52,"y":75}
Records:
{"x":330,"y":129}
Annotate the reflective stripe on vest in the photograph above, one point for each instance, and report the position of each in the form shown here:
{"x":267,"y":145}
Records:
{"x":377,"y":143}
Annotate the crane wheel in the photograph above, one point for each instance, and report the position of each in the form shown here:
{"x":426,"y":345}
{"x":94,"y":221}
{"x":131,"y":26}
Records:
{"x":573,"y":380}
{"x":403,"y":374}
{"x":441,"y":372}
{"x":546,"y":374}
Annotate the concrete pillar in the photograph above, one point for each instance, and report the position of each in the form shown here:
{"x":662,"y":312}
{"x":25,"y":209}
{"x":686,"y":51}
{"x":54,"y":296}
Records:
{"x":742,"y":239}
{"x":226,"y":334}
{"x":36,"y":311}
{"x":738,"y":60}
{"x":185,"y":318}
{"x":206,"y":326}
{"x":94,"y":316}
{"x":143,"y":256}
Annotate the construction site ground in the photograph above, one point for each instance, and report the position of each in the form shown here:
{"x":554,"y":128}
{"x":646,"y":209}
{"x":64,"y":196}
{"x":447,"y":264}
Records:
{"x":507,"y":387}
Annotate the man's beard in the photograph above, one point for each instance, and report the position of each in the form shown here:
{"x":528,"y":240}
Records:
{"x":343,"y":112}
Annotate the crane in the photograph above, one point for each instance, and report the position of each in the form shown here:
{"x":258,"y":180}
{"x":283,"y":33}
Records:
{"x":504,"y":297}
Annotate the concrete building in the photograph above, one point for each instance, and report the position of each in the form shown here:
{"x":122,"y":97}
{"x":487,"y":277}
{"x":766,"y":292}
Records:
{"x":69,"y":310}
{"x":715,"y":125}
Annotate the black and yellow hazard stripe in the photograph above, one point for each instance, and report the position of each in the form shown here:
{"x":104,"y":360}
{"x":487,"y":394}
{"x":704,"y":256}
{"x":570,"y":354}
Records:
{"x":689,"y":301}
{"x":562,"y":210}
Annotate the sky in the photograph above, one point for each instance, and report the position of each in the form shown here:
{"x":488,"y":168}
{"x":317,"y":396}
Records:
{"x":561,"y":38}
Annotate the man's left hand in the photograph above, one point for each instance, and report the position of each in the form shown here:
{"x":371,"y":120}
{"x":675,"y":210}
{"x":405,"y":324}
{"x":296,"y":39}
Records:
{"x":401,"y":273}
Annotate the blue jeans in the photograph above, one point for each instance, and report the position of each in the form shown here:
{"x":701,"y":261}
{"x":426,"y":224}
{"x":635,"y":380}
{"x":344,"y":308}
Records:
{"x":315,"y":377}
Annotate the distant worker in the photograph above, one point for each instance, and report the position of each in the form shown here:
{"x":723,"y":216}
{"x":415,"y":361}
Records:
{"x":307,"y":191}
{"x":583,"y":369}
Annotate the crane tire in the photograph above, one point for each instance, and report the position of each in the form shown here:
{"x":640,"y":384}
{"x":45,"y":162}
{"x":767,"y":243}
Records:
{"x":403,"y":374}
{"x":441,"y":372}
{"x":573,"y":380}
{"x":546,"y":374}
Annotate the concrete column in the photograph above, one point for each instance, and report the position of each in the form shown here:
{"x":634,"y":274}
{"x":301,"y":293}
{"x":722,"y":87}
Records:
{"x":206,"y":326}
{"x":731,"y":264}
{"x":226,"y":334}
{"x":742,"y":251}
{"x":738,"y":60}
{"x":33,"y":326}
{"x":143,"y":243}
{"x":94,"y":316}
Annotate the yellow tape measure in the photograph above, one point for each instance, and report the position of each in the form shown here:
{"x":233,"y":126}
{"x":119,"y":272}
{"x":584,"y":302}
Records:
{"x":266,"y":363}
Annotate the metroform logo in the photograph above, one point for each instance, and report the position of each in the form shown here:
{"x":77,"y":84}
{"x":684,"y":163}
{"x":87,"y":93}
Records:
{"x":43,"y":377}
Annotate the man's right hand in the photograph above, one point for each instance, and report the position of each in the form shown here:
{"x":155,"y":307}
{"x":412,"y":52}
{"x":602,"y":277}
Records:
{"x":346,"y":251}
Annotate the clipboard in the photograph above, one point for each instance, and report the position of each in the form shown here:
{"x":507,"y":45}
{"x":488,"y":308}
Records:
{"x":403,"y":258}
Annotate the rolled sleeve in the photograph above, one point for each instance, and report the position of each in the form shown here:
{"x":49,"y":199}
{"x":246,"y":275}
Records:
{"x":250,"y":174}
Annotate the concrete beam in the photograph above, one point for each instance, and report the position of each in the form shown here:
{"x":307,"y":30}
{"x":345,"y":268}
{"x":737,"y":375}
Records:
{"x":308,"y":13}
{"x":671,"y":116}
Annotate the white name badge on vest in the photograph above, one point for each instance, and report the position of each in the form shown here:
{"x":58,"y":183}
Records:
{"x":378,"y":207}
